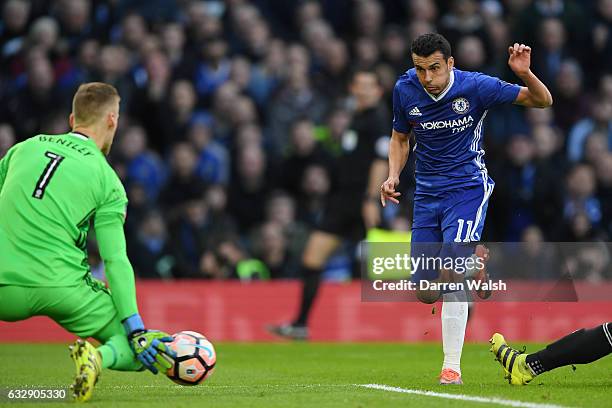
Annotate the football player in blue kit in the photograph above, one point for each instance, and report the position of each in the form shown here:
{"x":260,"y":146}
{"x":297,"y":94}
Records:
{"x":444,"y":108}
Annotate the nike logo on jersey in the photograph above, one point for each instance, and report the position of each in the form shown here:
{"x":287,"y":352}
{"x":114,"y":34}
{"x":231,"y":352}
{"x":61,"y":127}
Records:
{"x":415,"y":112}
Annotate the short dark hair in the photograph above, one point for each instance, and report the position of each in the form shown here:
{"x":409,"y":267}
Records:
{"x":426,"y":44}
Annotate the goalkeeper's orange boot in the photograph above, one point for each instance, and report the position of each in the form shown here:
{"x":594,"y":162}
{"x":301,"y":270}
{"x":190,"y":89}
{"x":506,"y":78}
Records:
{"x":88,"y":364}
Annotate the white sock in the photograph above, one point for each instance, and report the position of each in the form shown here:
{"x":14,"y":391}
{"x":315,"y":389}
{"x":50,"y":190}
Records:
{"x":454,"y":319}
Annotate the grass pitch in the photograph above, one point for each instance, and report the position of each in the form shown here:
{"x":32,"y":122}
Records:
{"x":316,"y":375}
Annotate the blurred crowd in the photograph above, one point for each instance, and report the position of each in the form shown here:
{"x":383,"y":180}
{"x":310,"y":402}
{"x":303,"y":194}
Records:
{"x":232,"y":113}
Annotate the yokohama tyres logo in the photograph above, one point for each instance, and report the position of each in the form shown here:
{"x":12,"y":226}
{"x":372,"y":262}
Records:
{"x":445,"y":124}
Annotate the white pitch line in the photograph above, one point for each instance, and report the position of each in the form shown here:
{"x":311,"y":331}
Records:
{"x":461,"y":397}
{"x":131,"y":387}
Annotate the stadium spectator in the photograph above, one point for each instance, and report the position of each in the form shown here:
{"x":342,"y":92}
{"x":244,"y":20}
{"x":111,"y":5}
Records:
{"x":595,"y":147}
{"x":138,"y":207}
{"x":244,"y":112}
{"x":44,"y":34}
{"x":599,"y":43}
{"x":395,"y":48}
{"x":548,"y":145}
{"x":150,"y":251}
{"x":267,"y":74}
{"x":570,"y":99}
{"x":603,"y":168}
{"x":75,"y":20}
{"x":471,"y":55}
{"x":7,"y":138}
{"x":270,"y":246}
{"x":82,"y":69}
{"x":149,"y":102}
{"x":366,"y":52}
{"x":281,"y":210}
{"x":202,"y":23}
{"x":213,"y":160}
{"x":189,"y":232}
{"x":463,"y":20}
{"x":368,"y":18}
{"x":28,"y":108}
{"x":142,"y":166}
{"x":251,"y":182}
{"x":515,"y":204}
{"x":306,"y":13}
{"x":330,"y":133}
{"x":114,"y":65}
{"x":295,"y":99}
{"x":184,"y":184}
{"x":551,"y":166}
{"x":133,"y":31}
{"x":552,"y":40}
{"x":542,"y":260}
{"x":222,"y":109}
{"x":305,"y":151}
{"x":570,"y":14}
{"x":316,"y":35}
{"x":56,"y":123}
{"x":247,"y":135}
{"x":314,"y":189}
{"x":15,"y":16}
{"x":210,"y":68}
{"x":215,"y":199}
{"x":173,"y":44}
{"x":331,"y":79}
{"x":600,"y":120}
{"x":581,"y":206}
{"x":423,"y":10}
{"x":240,"y":73}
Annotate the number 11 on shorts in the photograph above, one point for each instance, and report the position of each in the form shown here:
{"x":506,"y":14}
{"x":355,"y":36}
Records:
{"x":468,"y":232}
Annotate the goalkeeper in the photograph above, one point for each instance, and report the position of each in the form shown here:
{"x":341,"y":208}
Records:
{"x":51,"y":187}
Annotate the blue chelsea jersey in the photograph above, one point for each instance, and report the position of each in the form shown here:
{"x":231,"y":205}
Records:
{"x":448,"y":127}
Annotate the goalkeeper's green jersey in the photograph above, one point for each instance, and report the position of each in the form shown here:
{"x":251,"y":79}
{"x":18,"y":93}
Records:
{"x":51,"y":186}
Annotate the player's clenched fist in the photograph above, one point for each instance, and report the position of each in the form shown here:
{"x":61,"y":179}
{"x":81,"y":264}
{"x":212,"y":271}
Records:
{"x":387,"y":191}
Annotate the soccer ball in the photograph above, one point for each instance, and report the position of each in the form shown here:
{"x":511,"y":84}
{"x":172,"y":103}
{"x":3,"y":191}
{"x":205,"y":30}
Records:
{"x":195,"y":358}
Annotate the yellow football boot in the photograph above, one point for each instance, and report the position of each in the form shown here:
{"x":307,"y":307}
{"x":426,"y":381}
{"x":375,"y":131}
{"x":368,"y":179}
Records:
{"x":513,"y":361}
{"x":88,"y":364}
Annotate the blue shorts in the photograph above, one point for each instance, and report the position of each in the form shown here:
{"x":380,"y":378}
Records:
{"x":448,"y":225}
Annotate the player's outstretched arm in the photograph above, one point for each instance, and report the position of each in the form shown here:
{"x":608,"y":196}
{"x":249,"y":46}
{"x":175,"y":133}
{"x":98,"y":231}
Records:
{"x":148,"y":345}
{"x":399,"y":149}
{"x":535,"y":94}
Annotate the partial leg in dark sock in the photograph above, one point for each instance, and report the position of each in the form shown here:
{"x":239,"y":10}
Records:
{"x":311,"y":278}
{"x":580,"y":347}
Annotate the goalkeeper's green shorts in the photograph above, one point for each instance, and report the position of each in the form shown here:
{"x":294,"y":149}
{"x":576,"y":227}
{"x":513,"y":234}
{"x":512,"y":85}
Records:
{"x":84,"y":310}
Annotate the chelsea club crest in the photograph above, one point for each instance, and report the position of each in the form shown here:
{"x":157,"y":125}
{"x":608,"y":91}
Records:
{"x":460,"y":105}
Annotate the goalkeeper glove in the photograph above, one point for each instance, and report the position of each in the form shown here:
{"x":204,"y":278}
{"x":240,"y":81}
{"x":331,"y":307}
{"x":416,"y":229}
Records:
{"x":148,"y":345}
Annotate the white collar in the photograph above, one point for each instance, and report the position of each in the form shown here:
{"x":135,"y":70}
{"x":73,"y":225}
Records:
{"x":442,"y":94}
{"x":80,"y":136}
